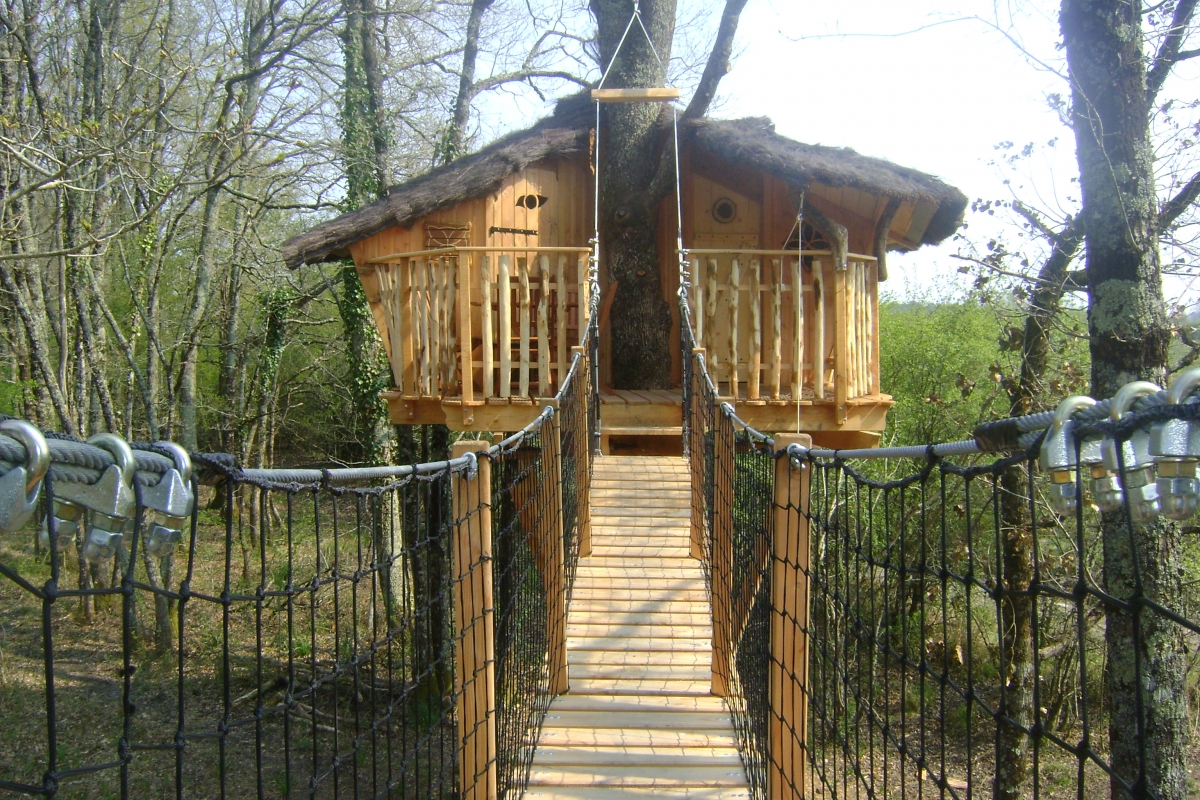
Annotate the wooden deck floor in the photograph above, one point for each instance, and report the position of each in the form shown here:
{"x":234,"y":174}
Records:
{"x":640,"y":720}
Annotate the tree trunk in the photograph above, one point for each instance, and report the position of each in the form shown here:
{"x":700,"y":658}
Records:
{"x":453,"y":142}
{"x":631,"y":142}
{"x":1016,"y":611}
{"x":1129,"y":335}
{"x":365,"y":154}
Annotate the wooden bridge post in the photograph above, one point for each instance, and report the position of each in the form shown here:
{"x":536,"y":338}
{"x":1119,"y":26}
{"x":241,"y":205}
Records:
{"x":554,"y":575}
{"x":722,"y":553}
{"x":697,"y":450}
{"x":582,"y":460}
{"x":787,"y":724}
{"x":474,"y":619}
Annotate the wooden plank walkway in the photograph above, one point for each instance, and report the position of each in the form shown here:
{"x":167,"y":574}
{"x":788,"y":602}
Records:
{"x":640,"y":719}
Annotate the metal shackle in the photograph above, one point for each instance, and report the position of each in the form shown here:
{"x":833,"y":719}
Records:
{"x":1129,"y":467}
{"x":171,"y":500}
{"x":1175,"y":447}
{"x":110,"y":501}
{"x":1057,"y":455}
{"x":21,"y":486}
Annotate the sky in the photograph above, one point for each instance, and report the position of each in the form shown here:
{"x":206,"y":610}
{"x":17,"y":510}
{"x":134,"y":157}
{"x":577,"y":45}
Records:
{"x":938,"y":85}
{"x":935,"y":86}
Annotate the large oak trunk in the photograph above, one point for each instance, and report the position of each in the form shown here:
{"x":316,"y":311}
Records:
{"x":1129,"y":339}
{"x":632,"y":139}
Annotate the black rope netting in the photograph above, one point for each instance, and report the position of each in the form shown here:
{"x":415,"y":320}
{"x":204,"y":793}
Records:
{"x":935,"y":624}
{"x":298,"y":644}
{"x":305,"y":634}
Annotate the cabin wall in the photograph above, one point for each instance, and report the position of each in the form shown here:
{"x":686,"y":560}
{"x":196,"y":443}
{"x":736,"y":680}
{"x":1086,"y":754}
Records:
{"x":562,"y":220}
{"x":764,"y":219}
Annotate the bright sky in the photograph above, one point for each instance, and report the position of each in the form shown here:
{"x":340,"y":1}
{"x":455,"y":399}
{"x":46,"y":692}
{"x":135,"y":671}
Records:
{"x":930,"y":84}
{"x":939,"y":97}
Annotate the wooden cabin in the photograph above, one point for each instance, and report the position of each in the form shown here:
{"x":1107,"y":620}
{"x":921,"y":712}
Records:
{"x":476,"y":274}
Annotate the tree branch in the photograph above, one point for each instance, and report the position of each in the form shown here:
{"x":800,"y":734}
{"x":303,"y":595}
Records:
{"x":1169,"y":51}
{"x":1179,"y":203}
{"x":718,"y":61}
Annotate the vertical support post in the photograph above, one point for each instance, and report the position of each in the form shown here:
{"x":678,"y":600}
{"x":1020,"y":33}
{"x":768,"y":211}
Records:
{"x":696,"y":453}
{"x":841,"y":333}
{"x":798,"y":333}
{"x":560,"y":320}
{"x":818,"y":348}
{"x":554,"y":577}
{"x":485,"y":322}
{"x":583,"y":464}
{"x":787,"y":681}
{"x":722,"y":552}
{"x":754,"y":370}
{"x":776,"y":327}
{"x":543,"y":328}
{"x":710,"y":322}
{"x":504,"y":335}
{"x":873,"y":325}
{"x":474,"y":619}
{"x":735,"y":300}
{"x":523,"y":267}
{"x":464,"y":327}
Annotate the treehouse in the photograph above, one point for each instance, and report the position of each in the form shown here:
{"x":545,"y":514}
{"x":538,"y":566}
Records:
{"x":477,"y":277}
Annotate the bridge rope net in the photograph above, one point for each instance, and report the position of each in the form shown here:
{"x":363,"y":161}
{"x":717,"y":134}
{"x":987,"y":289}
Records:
{"x":298,"y":633}
{"x":956,"y":620}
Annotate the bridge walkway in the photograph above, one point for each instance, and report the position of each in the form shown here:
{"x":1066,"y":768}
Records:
{"x":640,"y":719}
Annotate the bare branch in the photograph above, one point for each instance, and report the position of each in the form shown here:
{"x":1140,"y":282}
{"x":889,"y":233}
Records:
{"x":1169,"y":51}
{"x":1181,"y":202}
{"x":718,"y":61}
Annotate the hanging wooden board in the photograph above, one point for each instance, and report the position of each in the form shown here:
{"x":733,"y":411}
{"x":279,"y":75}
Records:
{"x":635,"y":95}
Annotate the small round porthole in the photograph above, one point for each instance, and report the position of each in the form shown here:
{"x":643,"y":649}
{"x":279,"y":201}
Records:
{"x":531,"y":201}
{"x":724,"y":210}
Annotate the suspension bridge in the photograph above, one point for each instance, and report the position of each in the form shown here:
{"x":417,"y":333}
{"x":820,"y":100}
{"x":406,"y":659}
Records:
{"x":757,"y":618}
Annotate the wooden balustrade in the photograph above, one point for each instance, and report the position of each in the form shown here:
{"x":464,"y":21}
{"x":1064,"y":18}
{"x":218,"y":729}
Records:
{"x":458,"y":318}
{"x":767,"y":341}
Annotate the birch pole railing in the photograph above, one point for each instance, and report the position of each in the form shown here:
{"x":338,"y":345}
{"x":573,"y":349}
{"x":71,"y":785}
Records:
{"x":456,"y":317}
{"x":781,"y":325}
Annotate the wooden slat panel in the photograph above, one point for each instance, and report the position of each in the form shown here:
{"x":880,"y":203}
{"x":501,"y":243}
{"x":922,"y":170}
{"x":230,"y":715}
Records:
{"x":649,"y":95}
{"x":407,"y":343}
{"x":710,"y":312}
{"x":841,"y":372}
{"x":543,"y":327}
{"x":754,"y":370}
{"x":523,"y":268}
{"x":560,"y":297}
{"x":485,"y":298}
{"x":776,"y":320}
{"x":798,"y":334}
{"x":464,"y":327}
{"x":554,"y":735}
{"x":504,"y":334}
{"x":820,"y":293}
{"x":733,"y":301}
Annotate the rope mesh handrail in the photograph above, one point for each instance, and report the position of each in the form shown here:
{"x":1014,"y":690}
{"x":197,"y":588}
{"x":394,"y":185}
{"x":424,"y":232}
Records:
{"x":316,"y":633}
{"x":957,"y":634}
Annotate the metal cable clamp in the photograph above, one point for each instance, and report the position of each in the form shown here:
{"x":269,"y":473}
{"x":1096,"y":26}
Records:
{"x":21,"y":486}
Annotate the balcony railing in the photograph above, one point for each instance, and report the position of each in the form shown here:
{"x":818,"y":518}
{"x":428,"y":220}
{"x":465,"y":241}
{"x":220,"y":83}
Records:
{"x":482,"y":322}
{"x":764,"y":340}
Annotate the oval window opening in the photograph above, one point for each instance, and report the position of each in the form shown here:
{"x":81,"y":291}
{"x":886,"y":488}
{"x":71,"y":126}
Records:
{"x":531,"y":201}
{"x":724,"y":210}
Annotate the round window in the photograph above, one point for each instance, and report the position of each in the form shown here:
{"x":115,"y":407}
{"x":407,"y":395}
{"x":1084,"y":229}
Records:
{"x":724,"y":210}
{"x":531,"y":201}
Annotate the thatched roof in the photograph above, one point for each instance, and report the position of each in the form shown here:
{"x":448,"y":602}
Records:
{"x":752,"y":142}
